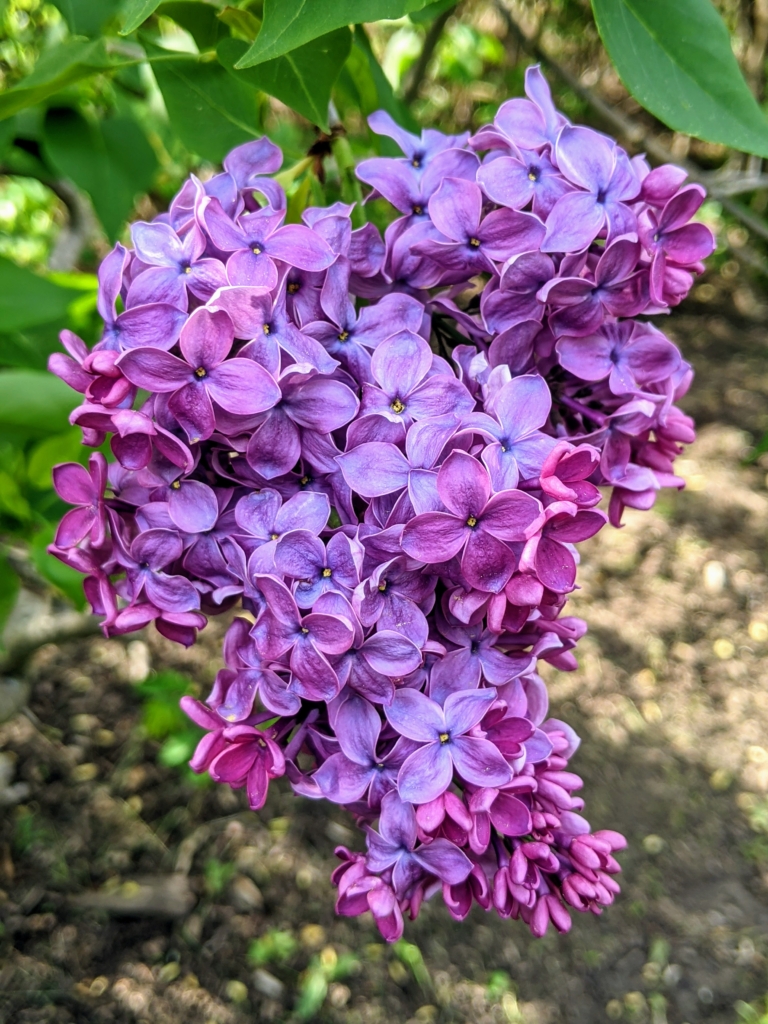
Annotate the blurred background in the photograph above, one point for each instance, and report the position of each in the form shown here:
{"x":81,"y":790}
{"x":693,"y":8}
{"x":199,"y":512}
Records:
{"x":130,"y":889}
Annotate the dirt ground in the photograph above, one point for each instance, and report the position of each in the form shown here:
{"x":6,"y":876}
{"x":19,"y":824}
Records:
{"x":671,"y":698}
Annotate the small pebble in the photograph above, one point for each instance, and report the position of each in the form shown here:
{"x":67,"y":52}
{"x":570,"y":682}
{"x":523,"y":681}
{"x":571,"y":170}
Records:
{"x":653,"y":844}
{"x":245,"y":894}
{"x":758,"y":631}
{"x":86,"y":772}
{"x":236,"y":991}
{"x":312,"y":936}
{"x":169,"y":972}
{"x":614,"y":1009}
{"x":267,"y":984}
{"x":723,"y":648}
{"x":714,"y":577}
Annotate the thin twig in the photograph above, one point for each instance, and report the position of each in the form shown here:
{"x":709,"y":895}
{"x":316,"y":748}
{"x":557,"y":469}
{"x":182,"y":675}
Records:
{"x":419,"y":68}
{"x":632,"y":132}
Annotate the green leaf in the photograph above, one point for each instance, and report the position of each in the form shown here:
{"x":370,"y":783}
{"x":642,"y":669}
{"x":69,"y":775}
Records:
{"x":302,"y":79}
{"x":46,"y":454}
{"x":26,"y":299}
{"x":385,"y":97}
{"x":111,"y":160}
{"x":199,"y":19}
{"x":34,"y":403}
{"x":86,"y":17}
{"x":30,"y":348}
{"x":135,"y":12}
{"x":675,"y":58}
{"x":291,"y":23}
{"x":244,"y":24}
{"x":12,"y":501}
{"x":210,"y":110}
{"x":58,"y":67}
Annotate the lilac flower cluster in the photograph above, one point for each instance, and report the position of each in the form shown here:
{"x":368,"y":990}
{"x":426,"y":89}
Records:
{"x":385,"y":451}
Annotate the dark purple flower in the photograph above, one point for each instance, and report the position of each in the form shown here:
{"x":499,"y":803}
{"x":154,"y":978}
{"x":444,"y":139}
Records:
{"x":528,"y":124}
{"x":359,"y":768}
{"x":475,"y":524}
{"x":176,"y":264}
{"x":669,"y":236}
{"x":257,"y":239}
{"x":516,"y":413}
{"x":631,"y":355}
{"x":409,"y":189}
{"x":237,"y":686}
{"x":516,"y":299}
{"x":250,"y":759}
{"x":309,"y":402}
{"x":318,"y":567}
{"x":607,"y":184}
{"x":547,"y":554}
{"x":445,"y":743}
{"x":619,"y":289}
{"x":405,"y":389}
{"x":149,"y":554}
{"x":527,"y":177}
{"x":85,"y":489}
{"x":474,"y":243}
{"x":394,"y":848}
{"x":391,"y":596}
{"x":155,"y":324}
{"x":280,"y":630}
{"x":203,"y":376}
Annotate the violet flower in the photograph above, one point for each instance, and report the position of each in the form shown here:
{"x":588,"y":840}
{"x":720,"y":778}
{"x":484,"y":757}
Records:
{"x":203,"y":376}
{"x":250,"y":759}
{"x":445,"y":745}
{"x":607,"y":185}
{"x":394,"y":848}
{"x":630,"y":355}
{"x":175,"y":265}
{"x":83,"y":488}
{"x":475,"y":524}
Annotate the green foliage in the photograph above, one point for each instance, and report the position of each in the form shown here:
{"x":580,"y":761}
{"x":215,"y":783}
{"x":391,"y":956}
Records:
{"x":9,"y":588}
{"x":26,"y":299}
{"x":324,"y":968}
{"x":292,"y":23}
{"x":217,"y":875}
{"x":136,"y":12}
{"x":750,"y":1013}
{"x":274,"y":947}
{"x":110,"y":159}
{"x":676,"y":59}
{"x":164,"y":721}
{"x":302,"y":79}
{"x":209,"y":110}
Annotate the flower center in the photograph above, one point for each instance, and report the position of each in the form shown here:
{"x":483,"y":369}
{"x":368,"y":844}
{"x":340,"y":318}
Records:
{"x":533,"y":174}
{"x":256,"y":250}
{"x":416,"y":162}
{"x":344,"y":335}
{"x":397,"y":406}
{"x":472,"y":521}
{"x":304,"y":630}
{"x":176,"y":485}
{"x":293,"y":287}
{"x":304,"y":481}
{"x":266,"y":328}
{"x":187,"y":270}
{"x":444,"y":737}
{"x":275,"y":536}
{"x":326,"y":573}
{"x":418,"y":210}
{"x":474,"y":242}
{"x":200,"y":372}
{"x":383,"y":586}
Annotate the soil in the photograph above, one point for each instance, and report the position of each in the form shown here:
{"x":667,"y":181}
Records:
{"x":671,"y":697}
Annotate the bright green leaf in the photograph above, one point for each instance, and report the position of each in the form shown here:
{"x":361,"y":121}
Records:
{"x":210,"y":110}
{"x":12,"y":501}
{"x":66,"y":447}
{"x":135,"y":12}
{"x":29,"y":349}
{"x":34,"y":403}
{"x":58,"y":67}
{"x":86,"y":17}
{"x":111,"y":160}
{"x":302,"y":79}
{"x":291,"y":23}
{"x":675,"y":58}
{"x":26,"y":299}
